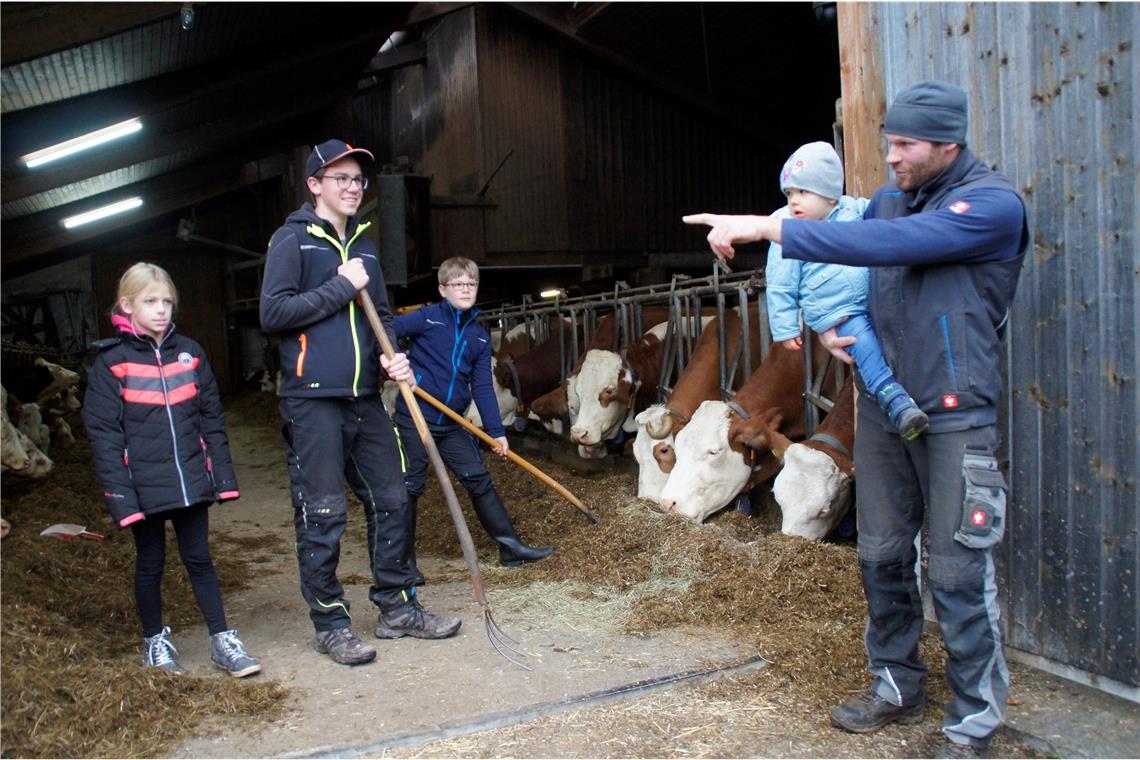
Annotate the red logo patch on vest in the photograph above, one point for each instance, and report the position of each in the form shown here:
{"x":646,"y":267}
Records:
{"x":950,"y":400}
{"x":959,"y":207}
{"x":978,"y":517}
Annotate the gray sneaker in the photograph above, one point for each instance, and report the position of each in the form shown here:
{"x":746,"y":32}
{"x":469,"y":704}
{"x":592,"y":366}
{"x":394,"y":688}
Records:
{"x":158,"y":652}
{"x":411,"y":619}
{"x":344,"y":646}
{"x":228,"y":653}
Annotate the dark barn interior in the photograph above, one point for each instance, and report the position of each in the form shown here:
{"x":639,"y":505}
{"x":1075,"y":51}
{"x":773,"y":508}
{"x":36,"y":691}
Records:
{"x":557,"y":145}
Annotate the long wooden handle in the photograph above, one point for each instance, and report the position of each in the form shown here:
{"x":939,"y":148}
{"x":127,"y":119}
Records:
{"x":546,"y":479}
{"x":433,"y":454}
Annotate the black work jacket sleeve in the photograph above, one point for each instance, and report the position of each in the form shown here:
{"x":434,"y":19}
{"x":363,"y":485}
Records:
{"x":213,"y":427}
{"x":284,"y":306}
{"x":102,"y":407}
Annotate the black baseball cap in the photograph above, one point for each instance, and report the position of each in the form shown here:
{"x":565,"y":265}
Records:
{"x":333,"y":150}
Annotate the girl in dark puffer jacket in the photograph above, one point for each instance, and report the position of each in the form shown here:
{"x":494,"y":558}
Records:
{"x":154,"y":420}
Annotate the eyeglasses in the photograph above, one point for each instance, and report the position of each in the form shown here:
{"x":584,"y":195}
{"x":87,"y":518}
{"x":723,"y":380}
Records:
{"x":343,"y":181}
{"x":463,"y":285}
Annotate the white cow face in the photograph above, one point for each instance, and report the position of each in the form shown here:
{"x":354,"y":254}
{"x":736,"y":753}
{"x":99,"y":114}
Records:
{"x":708,"y":473}
{"x":604,"y":389}
{"x":812,"y":492}
{"x":650,"y":477}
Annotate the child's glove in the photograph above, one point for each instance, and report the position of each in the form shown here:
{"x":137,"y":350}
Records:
{"x":130,"y":519}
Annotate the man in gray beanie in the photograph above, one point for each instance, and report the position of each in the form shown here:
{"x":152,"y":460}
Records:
{"x":945,"y":242}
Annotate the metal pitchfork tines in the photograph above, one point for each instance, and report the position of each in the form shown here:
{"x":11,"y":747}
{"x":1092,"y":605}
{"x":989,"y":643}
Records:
{"x":499,"y":639}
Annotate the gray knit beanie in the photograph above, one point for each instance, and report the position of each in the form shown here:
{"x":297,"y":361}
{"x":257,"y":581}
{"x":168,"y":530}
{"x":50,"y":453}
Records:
{"x":814,"y":167}
{"x":929,"y":110}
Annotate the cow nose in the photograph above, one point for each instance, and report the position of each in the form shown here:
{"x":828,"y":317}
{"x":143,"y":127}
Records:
{"x":579,"y":435}
{"x":667,"y":505}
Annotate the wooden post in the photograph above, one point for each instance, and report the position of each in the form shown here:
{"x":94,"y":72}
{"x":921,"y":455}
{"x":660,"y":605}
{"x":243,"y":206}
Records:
{"x":864,"y":100}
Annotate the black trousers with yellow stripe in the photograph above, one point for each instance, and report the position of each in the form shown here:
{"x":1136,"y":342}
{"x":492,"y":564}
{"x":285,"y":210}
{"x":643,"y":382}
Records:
{"x":331,"y":440}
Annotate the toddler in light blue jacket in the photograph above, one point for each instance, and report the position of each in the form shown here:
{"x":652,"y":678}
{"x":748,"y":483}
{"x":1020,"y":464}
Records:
{"x":831,"y":295}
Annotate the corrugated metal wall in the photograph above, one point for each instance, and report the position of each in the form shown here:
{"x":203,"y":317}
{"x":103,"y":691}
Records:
{"x":1053,"y":93}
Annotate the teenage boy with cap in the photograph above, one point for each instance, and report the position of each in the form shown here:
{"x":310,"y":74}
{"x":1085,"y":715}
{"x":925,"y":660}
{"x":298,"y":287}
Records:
{"x":335,"y":425}
{"x":945,"y":241}
{"x":830,"y":295}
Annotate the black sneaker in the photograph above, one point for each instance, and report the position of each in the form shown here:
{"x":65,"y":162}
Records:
{"x":953,"y":749}
{"x":869,"y":712}
{"x":344,"y":646}
{"x":411,"y":619}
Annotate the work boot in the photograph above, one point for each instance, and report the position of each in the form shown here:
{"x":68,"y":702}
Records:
{"x":908,"y":419}
{"x":344,"y":646}
{"x":869,"y":712}
{"x":952,"y":749}
{"x":228,"y":653}
{"x":495,"y":520}
{"x":159,"y":652}
{"x":411,"y":619}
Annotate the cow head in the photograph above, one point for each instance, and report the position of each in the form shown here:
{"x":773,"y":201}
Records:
{"x":655,"y":458}
{"x":657,"y":421}
{"x":812,"y":489}
{"x":709,"y":472}
{"x":504,"y":387}
{"x":605,"y":389}
{"x":762,"y":433}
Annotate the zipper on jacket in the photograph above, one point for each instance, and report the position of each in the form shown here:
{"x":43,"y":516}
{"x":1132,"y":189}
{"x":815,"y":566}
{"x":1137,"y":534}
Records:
{"x":945,"y":322}
{"x":457,"y":350}
{"x":301,"y":356}
{"x":173,"y":432}
{"x":317,"y":231}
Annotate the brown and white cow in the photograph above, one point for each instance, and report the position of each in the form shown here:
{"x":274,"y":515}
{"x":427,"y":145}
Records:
{"x":813,"y":487}
{"x":714,"y":464}
{"x":700,"y":381}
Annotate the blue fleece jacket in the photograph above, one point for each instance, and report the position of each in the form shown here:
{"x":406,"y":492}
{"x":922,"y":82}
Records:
{"x":826,"y":292}
{"x":945,"y":261}
{"x":451,"y":355}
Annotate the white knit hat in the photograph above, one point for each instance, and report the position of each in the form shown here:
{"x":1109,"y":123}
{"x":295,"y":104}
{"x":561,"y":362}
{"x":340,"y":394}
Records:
{"x":814,"y":167}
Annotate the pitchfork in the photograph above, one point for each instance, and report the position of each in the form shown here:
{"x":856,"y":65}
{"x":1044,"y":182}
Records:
{"x":498,"y":638}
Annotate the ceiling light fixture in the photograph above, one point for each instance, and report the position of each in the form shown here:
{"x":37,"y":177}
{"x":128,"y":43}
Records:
{"x":83,"y":142}
{"x":553,"y":293}
{"x":102,"y":212}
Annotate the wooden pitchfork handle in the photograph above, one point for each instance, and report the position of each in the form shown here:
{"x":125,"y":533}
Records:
{"x":530,"y":468}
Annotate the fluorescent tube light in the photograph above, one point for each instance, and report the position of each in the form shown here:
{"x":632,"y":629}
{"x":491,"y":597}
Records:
{"x":553,"y":293}
{"x":83,"y":142}
{"x":102,"y":212}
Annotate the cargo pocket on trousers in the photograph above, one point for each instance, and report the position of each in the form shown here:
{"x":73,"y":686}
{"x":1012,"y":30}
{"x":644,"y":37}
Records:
{"x":983,"y":506}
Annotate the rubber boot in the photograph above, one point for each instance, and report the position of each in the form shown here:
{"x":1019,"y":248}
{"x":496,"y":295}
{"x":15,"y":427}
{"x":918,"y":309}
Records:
{"x":908,"y":419}
{"x":495,"y":520}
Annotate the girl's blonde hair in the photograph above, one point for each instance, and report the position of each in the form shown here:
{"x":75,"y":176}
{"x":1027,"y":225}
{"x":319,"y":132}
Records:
{"x":138,"y":278}
{"x":457,"y":265}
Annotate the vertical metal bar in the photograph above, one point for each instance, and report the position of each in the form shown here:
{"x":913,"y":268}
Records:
{"x":745,"y":332}
{"x":810,"y":415}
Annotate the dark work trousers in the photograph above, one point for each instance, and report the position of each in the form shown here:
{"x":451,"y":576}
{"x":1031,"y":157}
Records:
{"x":330,"y":440}
{"x":192,"y":527}
{"x":899,"y":485}
{"x":457,"y":448}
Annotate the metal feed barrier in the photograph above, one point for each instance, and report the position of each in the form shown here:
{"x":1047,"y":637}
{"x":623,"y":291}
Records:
{"x":686,"y":298}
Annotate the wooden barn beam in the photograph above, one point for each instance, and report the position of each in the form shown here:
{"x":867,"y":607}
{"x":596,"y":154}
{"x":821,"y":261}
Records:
{"x":170,"y":192}
{"x":581,"y":15}
{"x":33,"y":30}
{"x":864,"y":99}
{"x":215,"y":134}
{"x":547,"y":16}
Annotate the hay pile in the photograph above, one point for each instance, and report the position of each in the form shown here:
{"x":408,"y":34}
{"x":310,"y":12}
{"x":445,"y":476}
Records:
{"x":798,"y":603}
{"x":73,"y":686}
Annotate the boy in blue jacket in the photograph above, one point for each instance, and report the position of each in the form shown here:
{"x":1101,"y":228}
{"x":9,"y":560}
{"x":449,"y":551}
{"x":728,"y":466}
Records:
{"x":450,"y":355}
{"x":831,"y":295}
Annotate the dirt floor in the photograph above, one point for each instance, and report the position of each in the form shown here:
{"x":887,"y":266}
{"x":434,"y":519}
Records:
{"x":646,"y":636}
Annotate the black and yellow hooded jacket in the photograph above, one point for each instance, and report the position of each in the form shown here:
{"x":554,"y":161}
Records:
{"x":327,"y":345}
